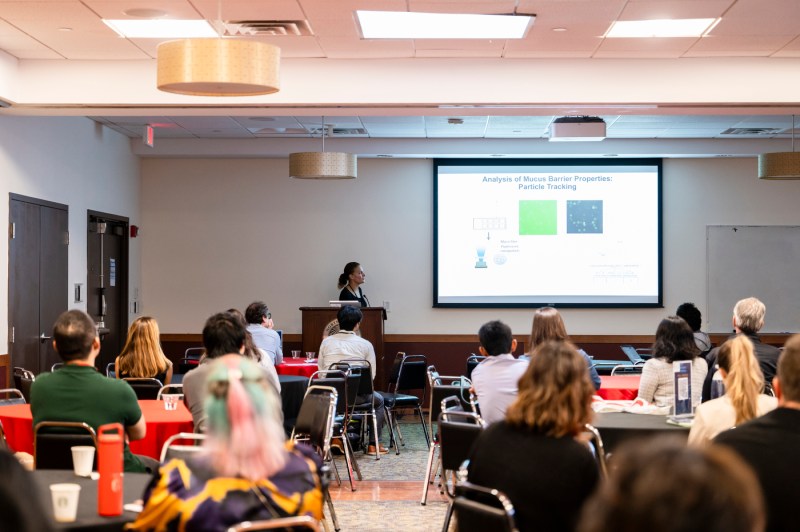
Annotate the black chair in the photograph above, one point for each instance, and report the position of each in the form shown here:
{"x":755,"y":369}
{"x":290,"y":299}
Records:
{"x":144,"y":388}
{"x":478,"y":509}
{"x":411,"y":375}
{"x":472,"y":362}
{"x":340,"y":381}
{"x":23,"y":379}
{"x":301,"y":522}
{"x":176,"y":389}
{"x":195,"y":353}
{"x":110,"y":371}
{"x":365,"y":410}
{"x":315,"y":425}
{"x":173,"y":449}
{"x":53,"y":442}
{"x":56,"y":366}
{"x":458,"y":431}
{"x":11,"y":396}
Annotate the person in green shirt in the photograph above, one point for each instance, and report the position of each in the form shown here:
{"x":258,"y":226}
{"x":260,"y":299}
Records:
{"x":77,"y":392}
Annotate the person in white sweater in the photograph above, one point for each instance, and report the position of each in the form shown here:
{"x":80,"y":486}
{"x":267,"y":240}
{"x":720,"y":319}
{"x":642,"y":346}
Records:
{"x":743,"y":399}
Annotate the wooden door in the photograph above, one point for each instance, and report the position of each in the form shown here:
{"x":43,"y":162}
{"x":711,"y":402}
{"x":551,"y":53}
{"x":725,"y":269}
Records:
{"x":37,"y":280}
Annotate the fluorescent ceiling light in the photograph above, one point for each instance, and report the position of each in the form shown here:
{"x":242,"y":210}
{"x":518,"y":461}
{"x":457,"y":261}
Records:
{"x":689,"y":27}
{"x":405,"y":25}
{"x":162,"y":29}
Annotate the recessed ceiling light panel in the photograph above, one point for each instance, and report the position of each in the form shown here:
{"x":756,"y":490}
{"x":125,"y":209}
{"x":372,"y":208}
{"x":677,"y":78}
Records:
{"x":161,"y":29}
{"x":690,"y":27}
{"x":407,"y":25}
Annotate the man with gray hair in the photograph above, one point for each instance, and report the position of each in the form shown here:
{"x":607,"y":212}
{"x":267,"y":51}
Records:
{"x":748,"y":319}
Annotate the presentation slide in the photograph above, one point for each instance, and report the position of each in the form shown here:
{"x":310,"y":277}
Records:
{"x":569,"y":233}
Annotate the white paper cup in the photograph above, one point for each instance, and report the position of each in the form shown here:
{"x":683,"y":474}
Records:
{"x":310,"y":355}
{"x":82,"y":460}
{"x":65,"y":501}
{"x":171,"y":401}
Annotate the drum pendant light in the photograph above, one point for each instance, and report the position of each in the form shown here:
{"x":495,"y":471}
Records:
{"x":780,"y":165}
{"x":322,"y":165}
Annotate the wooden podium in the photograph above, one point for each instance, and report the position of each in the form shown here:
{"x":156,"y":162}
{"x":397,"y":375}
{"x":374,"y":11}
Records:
{"x":316,"y":318}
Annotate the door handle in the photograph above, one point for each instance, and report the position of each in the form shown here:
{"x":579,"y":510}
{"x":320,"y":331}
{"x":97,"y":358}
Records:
{"x":43,"y":338}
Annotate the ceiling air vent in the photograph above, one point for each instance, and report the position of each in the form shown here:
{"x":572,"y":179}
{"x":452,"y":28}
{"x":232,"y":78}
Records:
{"x":237,"y":28}
{"x":752,"y":131}
{"x":340,"y":131}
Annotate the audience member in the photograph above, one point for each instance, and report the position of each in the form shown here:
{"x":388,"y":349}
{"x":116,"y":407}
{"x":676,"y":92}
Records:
{"x":246,"y":470}
{"x":770,"y":443}
{"x":262,"y":328}
{"x":548,"y":325}
{"x":350,"y":281}
{"x":495,"y":378}
{"x":692,"y":315}
{"x":257,"y":354}
{"x":142,"y":357}
{"x":534,"y":456}
{"x":743,"y":399}
{"x":748,"y":319}
{"x":77,"y":392}
{"x":674,"y":341}
{"x":346,"y":344}
{"x":223,"y":334}
{"x":660,"y":485}
{"x":21,"y":506}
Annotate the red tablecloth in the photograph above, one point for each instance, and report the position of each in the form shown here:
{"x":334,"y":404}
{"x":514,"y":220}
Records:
{"x":297,"y":366}
{"x":619,"y":387}
{"x":161,"y":424}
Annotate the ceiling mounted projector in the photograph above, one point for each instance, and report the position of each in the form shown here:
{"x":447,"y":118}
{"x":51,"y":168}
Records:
{"x":577,"y":129}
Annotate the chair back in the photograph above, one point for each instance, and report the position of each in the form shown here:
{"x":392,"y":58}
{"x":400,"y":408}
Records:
{"x":599,"y":449}
{"x":11,"y":396}
{"x":479,"y":509}
{"x":110,"y":371}
{"x":302,"y":522}
{"x":446,"y":386}
{"x":176,"y":389}
{"x":194,"y":353}
{"x":364,"y":369}
{"x":472,"y":362}
{"x":457,"y":433}
{"x":412,"y":374}
{"x":171,"y":449}
{"x":145,"y":388}
{"x":315,"y":420}
{"x":53,"y":442}
{"x":23,"y":379}
{"x":627,"y":369}
{"x":336,"y":379}
{"x":56,"y":366}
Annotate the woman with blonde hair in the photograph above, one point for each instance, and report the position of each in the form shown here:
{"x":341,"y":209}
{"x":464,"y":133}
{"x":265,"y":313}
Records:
{"x":553,"y":472}
{"x":743,"y":399}
{"x":246,"y":470}
{"x":142,"y":356}
{"x":548,"y":325}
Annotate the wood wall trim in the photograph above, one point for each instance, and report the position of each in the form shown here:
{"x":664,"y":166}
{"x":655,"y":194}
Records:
{"x":5,"y":370}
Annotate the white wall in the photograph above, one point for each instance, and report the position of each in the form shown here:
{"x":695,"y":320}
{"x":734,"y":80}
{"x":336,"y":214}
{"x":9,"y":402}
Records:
{"x":76,"y":162}
{"x":221,"y":233}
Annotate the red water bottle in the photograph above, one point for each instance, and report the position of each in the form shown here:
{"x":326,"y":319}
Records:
{"x":110,"y":443}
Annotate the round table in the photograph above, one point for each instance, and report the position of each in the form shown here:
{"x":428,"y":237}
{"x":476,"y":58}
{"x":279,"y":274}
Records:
{"x":619,"y":387}
{"x":297,"y":366}
{"x":161,"y":424}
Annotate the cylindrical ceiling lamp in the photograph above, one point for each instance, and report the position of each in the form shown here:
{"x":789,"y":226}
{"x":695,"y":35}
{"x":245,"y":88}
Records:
{"x":218,"y":67}
{"x":322,"y":165}
{"x":780,"y":165}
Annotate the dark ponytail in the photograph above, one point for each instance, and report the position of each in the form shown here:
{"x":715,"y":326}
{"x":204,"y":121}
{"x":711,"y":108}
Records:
{"x":344,"y":277}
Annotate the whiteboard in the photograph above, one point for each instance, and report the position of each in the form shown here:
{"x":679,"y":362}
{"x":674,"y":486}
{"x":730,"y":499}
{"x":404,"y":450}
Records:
{"x":762,"y":261}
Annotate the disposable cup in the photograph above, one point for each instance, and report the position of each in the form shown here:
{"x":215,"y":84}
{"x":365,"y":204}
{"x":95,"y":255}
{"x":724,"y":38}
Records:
{"x":65,"y":501}
{"x":310,"y":355}
{"x":171,"y":401}
{"x":82,"y":460}
{"x":295,"y":353}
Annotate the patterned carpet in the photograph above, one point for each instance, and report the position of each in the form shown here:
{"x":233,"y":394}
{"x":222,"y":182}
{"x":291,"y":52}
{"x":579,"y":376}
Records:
{"x":394,"y":515}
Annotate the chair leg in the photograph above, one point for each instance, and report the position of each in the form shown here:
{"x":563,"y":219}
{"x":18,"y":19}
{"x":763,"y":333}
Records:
{"x":376,"y":435}
{"x":392,"y":440}
{"x":335,"y":519}
{"x":426,"y":482}
{"x":424,"y":426}
{"x":399,"y":432}
{"x":352,"y":463}
{"x":447,"y":517}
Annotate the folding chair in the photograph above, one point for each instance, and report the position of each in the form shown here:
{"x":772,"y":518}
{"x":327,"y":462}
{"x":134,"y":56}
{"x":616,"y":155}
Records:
{"x":365,"y":389}
{"x":195,"y":353}
{"x":478,"y":509}
{"x":56,"y":366}
{"x":19,"y":399}
{"x":340,"y":381}
{"x":458,"y":431}
{"x":53,"y":440}
{"x":472,"y":362}
{"x":599,"y":449}
{"x":144,"y":388}
{"x":314,"y":426}
{"x":411,"y":375}
{"x":172,"y":450}
{"x":110,"y":371}
{"x":301,"y":522}
{"x":23,"y":379}
{"x":176,"y":389}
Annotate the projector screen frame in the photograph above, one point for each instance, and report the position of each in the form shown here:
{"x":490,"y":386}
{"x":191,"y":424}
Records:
{"x":547,"y":162}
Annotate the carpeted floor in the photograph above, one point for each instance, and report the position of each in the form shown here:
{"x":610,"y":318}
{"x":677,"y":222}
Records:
{"x":392,"y":515}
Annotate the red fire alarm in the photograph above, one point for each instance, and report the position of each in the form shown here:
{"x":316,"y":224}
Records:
{"x":134,"y":231}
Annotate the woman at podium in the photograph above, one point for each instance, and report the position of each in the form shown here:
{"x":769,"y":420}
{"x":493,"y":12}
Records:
{"x":350,"y":281}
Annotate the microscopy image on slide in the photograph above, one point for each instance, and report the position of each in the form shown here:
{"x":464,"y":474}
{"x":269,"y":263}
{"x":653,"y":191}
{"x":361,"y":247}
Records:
{"x":585,"y":216}
{"x":538,"y":217}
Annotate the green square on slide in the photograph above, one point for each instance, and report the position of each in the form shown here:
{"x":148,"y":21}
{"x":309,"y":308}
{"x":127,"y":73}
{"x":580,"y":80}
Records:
{"x":537,"y":217}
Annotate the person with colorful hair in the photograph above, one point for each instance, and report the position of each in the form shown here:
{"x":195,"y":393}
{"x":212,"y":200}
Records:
{"x":142,"y":356}
{"x":246,"y":471}
{"x":743,"y":399}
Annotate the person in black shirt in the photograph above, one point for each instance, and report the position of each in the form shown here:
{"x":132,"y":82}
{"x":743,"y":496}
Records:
{"x":350,"y":281}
